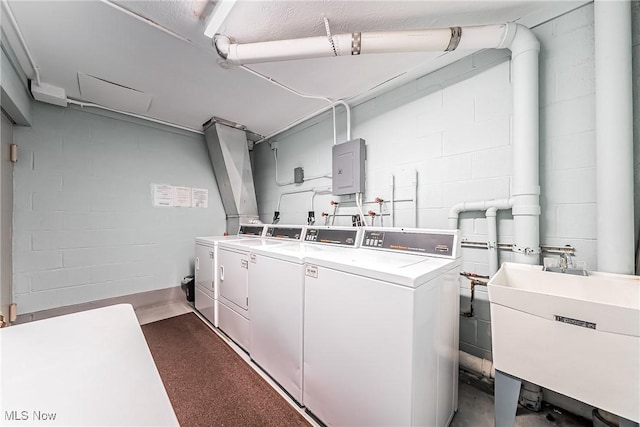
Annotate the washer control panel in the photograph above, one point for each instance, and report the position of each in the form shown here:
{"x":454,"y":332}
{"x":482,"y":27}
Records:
{"x":292,"y":233}
{"x":334,"y":236}
{"x":251,"y":230}
{"x":432,"y":243}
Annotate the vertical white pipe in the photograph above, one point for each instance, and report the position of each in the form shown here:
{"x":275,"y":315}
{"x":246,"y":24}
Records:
{"x":392,"y":208}
{"x":614,"y":137}
{"x":415,"y":199}
{"x":492,"y":240}
{"x":526,"y":189}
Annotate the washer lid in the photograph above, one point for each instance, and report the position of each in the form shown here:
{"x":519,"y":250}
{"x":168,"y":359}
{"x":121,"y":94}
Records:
{"x":213,"y":240}
{"x":401,"y":269}
{"x":245,"y":245}
{"x":296,"y":252}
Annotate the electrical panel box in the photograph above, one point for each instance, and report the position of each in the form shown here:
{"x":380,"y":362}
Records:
{"x":348,"y":167}
{"x":298,"y":175}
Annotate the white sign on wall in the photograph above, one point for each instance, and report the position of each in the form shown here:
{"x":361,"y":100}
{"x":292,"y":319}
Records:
{"x":162,"y":194}
{"x":182,"y":197}
{"x":166,"y":195}
{"x":200,"y":198}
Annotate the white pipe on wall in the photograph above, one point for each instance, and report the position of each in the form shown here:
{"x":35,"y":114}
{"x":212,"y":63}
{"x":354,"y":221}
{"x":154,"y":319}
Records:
{"x":614,"y":137}
{"x":525,"y":48}
{"x":483,"y":205}
{"x":492,"y":239}
{"x":491,"y":207}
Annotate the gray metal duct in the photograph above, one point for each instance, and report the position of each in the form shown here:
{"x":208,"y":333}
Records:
{"x":229,"y":153}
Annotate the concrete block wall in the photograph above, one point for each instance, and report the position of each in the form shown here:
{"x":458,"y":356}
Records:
{"x":84,"y":225}
{"x":453,"y":128}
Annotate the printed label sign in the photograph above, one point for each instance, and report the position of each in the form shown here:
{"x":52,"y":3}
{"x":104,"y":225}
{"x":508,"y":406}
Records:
{"x":311,"y":271}
{"x":575,"y":322}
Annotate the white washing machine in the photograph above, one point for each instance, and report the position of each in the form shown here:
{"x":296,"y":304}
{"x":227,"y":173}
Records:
{"x":381,"y":330}
{"x":276,"y":293}
{"x":233,"y":270}
{"x":206,"y":278}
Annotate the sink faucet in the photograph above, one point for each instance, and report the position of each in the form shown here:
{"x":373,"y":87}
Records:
{"x":566,"y":261}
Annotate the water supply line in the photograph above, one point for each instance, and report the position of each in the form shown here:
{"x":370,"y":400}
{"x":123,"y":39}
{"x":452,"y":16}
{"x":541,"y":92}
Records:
{"x":379,"y":201}
{"x":335,"y":208}
{"x":359,"y":197}
{"x":492,"y":239}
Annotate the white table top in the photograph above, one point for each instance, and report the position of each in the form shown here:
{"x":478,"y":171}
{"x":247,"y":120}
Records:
{"x":85,"y":369}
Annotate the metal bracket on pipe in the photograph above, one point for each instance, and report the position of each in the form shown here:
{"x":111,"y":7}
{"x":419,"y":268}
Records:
{"x":526,"y":251}
{"x":456,"y":35}
{"x":568,"y":249}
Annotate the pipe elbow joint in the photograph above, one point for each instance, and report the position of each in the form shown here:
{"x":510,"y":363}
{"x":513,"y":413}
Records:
{"x":222,"y":44}
{"x":519,"y":38}
{"x":455,"y":210}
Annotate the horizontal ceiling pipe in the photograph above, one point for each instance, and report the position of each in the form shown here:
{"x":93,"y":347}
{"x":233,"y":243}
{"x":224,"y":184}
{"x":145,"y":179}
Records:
{"x":433,"y":40}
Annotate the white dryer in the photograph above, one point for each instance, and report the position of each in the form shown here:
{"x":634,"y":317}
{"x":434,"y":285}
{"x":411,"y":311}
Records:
{"x":381,"y":330}
{"x":233,"y":267}
{"x":276,"y":293}
{"x":206,"y":277}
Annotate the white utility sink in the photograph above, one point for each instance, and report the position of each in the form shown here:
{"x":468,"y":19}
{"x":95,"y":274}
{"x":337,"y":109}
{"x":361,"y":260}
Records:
{"x":576,"y":335}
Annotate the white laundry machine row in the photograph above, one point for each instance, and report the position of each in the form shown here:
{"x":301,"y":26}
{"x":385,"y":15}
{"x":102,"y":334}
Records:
{"x":206,"y":278}
{"x":234,"y":258}
{"x":276,"y":295}
{"x":381,"y":330}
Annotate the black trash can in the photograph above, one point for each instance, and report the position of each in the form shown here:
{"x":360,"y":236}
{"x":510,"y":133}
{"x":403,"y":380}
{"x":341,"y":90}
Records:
{"x":187,"y":286}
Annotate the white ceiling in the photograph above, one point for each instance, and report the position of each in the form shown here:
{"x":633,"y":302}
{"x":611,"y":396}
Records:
{"x":178,"y":66}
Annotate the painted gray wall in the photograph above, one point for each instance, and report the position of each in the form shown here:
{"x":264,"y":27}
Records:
{"x":84,"y":225}
{"x":455,"y":131}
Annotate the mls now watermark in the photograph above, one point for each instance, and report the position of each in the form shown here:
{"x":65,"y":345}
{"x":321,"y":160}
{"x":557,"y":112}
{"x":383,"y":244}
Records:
{"x":29,"y":416}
